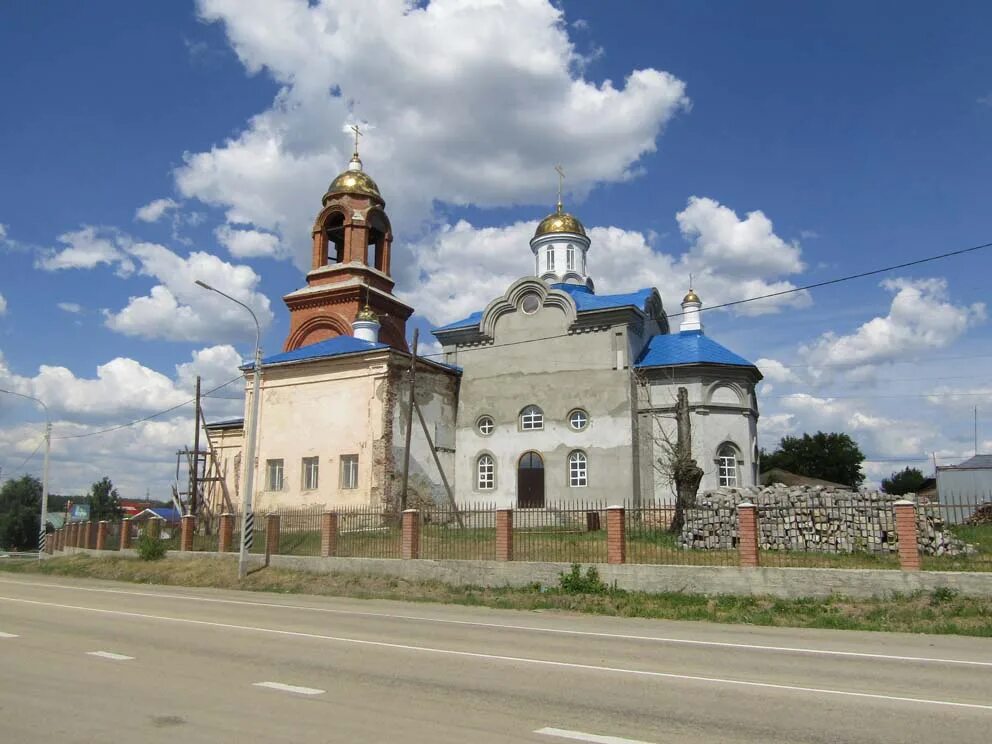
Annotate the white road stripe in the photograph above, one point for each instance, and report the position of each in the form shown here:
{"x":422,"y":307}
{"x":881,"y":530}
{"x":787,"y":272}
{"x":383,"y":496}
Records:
{"x":110,"y":655}
{"x":8,"y":635}
{"x":528,"y":628}
{"x":290,"y":688}
{"x":583,"y":736}
{"x":513,"y":659}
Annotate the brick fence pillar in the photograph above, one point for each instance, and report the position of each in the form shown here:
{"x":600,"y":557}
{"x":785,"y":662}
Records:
{"x":747,"y":534}
{"x":55,"y":539}
{"x":50,"y":543}
{"x":272,"y":534}
{"x":616,"y":535}
{"x":101,"y":534}
{"x":411,"y":534}
{"x":125,"y":533}
{"x":328,"y":534}
{"x":70,"y":535}
{"x":153,"y":528}
{"x":226,"y":533}
{"x":90,"y":541}
{"x":76,"y":534}
{"x":909,"y":551}
{"x":60,"y":539}
{"x":186,"y":530}
{"x":504,"y":534}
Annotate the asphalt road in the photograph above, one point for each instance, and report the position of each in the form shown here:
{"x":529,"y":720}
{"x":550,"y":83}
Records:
{"x":87,"y":661}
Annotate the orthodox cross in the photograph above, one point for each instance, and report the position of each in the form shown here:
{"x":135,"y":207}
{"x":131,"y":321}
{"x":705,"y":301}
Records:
{"x":561,"y":178}
{"x":358,"y":133}
{"x":690,"y":281}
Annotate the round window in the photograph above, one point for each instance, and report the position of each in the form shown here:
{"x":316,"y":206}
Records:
{"x":486,"y":425}
{"x":578,"y":419}
{"x":530,"y":304}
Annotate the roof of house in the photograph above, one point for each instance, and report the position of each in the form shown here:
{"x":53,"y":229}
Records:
{"x":788,"y":478}
{"x":978,"y":462}
{"x":168,"y":513}
{"x":332,"y":347}
{"x":687,"y":347}
{"x":235,"y":423}
{"x":585,"y":301}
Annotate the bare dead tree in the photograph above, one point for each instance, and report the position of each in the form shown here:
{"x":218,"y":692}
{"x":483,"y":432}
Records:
{"x":673,"y":459}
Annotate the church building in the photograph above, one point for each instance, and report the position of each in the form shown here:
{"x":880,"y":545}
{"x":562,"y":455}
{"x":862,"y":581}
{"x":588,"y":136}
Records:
{"x":551,"y":393}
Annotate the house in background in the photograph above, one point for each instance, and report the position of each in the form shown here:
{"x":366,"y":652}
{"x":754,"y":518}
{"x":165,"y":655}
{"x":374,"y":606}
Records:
{"x":962,"y":487}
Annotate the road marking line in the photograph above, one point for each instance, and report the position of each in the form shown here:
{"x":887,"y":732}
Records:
{"x":110,"y":655}
{"x":513,"y":659}
{"x":583,"y":736}
{"x":289,"y":688}
{"x":529,"y":628}
{"x":8,"y":635}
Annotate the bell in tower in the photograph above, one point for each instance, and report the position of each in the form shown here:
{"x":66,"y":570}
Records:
{"x":350,"y":270}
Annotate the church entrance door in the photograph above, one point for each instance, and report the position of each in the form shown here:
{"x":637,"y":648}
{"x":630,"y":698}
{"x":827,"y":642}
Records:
{"x":530,"y":481}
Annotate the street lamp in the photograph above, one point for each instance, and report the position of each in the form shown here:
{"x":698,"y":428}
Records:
{"x":248,"y":518}
{"x":42,"y":532}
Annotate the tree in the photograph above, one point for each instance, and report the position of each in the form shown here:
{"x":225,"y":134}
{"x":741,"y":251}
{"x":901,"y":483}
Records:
{"x":833,"y":457}
{"x":104,"y":501}
{"x":905,"y":481}
{"x":20,"y":506}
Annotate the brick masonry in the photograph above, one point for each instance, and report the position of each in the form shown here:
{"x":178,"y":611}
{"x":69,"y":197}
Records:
{"x":271,"y":534}
{"x":616,"y":535}
{"x":747,"y":543}
{"x":504,"y":534}
{"x":125,"y":534}
{"x":328,"y":534}
{"x":906,"y":526}
{"x":226,"y":533}
{"x":101,"y":535}
{"x":411,"y":534}
{"x":186,"y":530}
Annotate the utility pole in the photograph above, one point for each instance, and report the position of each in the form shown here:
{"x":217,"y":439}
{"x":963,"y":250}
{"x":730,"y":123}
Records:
{"x":194,"y":472}
{"x":409,"y":419}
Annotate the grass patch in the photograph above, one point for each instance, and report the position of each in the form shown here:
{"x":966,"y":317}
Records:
{"x":942,"y":611}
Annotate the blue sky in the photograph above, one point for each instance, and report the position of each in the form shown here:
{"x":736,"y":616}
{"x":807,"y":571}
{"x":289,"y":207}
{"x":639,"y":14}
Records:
{"x":860,"y":132}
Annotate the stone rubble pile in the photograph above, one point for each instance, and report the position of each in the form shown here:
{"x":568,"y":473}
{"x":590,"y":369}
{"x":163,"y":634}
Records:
{"x":981,"y":515}
{"x":815,"y":519}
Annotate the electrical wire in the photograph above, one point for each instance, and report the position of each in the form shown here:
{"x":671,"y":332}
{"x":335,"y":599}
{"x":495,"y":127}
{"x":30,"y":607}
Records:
{"x":793,"y":290}
{"x":33,"y":453}
{"x":146,"y":418}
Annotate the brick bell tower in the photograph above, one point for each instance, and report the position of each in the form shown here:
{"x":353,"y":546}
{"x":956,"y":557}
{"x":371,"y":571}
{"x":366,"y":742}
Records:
{"x":352,"y":245}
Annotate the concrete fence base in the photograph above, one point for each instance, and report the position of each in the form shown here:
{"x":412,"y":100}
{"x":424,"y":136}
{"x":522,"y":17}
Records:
{"x":785,"y":583}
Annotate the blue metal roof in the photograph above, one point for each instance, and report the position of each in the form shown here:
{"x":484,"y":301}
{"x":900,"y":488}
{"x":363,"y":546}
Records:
{"x":337,"y":346}
{"x":585,"y":301}
{"x":687,"y":347}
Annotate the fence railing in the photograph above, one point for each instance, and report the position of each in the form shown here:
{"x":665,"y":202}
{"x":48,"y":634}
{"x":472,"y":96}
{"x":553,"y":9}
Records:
{"x":824,"y":534}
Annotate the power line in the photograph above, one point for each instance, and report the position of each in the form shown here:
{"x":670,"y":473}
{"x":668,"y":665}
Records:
{"x":146,"y":418}
{"x":793,"y":290}
{"x":33,"y":453}
{"x":967,"y":393}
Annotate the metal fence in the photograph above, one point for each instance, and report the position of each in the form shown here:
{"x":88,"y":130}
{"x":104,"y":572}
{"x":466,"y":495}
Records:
{"x":466,"y":533}
{"x":650,"y":538}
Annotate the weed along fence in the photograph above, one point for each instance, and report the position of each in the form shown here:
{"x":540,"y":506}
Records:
{"x":823,"y":530}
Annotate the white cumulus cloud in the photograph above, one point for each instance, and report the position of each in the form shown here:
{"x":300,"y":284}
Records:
{"x":3,"y":305}
{"x":70,"y":307}
{"x":242,"y":243}
{"x":88,"y":248}
{"x":467,"y":102}
{"x":154,"y":210}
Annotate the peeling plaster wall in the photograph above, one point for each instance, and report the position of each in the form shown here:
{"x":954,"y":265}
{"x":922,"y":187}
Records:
{"x":437,"y":396}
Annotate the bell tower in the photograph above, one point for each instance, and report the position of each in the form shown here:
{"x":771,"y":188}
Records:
{"x":352,"y":247}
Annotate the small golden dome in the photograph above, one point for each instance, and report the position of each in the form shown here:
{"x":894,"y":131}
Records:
{"x":692,"y":297}
{"x":354,"y":181}
{"x":366,"y":313}
{"x":559,"y":222}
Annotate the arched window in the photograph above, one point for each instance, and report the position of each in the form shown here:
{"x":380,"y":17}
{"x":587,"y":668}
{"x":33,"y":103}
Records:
{"x":486,"y":473}
{"x":578,"y":470}
{"x":570,"y":258}
{"x":726,"y":461}
{"x":551,"y":258}
{"x":531,"y":418}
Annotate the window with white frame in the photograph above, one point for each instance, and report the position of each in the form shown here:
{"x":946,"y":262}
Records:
{"x":570,"y":258}
{"x":310,"y":468}
{"x":550,"y":258}
{"x":349,"y":471}
{"x":486,"y":469}
{"x":726,"y":461}
{"x":577,"y":469}
{"x":531,"y":418}
{"x":578,"y":419}
{"x":273,"y":475}
{"x":485,"y":425}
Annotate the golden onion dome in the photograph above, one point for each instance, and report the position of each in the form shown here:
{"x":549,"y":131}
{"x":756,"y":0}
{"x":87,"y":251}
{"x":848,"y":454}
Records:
{"x":559,"y":222}
{"x":692,"y":297}
{"x":354,"y":181}
{"x":367,"y":314}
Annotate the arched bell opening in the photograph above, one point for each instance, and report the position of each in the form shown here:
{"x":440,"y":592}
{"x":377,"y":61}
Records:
{"x":334,"y":232}
{"x":379,"y":241}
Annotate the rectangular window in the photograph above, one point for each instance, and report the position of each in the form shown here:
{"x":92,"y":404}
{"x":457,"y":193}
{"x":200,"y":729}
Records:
{"x":310,"y":470}
{"x":570,"y":258}
{"x":551,"y":259}
{"x":273,"y":475}
{"x":728,"y":471}
{"x":349,"y":471}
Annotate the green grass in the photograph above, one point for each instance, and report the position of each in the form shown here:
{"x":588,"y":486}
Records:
{"x":943,"y":611}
